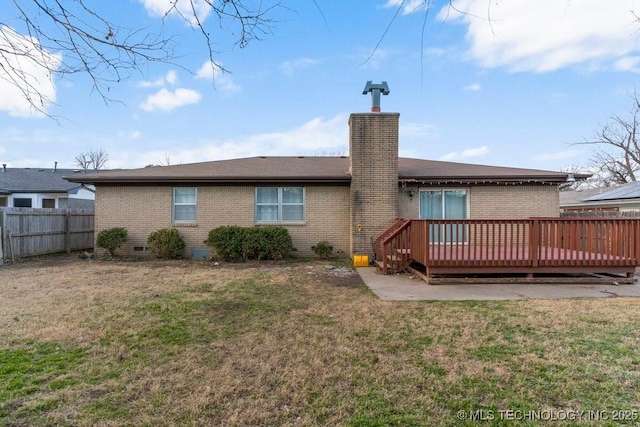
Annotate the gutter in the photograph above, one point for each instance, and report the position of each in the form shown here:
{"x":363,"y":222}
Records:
{"x":191,"y":180}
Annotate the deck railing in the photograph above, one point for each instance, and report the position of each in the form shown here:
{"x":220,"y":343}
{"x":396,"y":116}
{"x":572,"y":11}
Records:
{"x":392,"y":247}
{"x":514,"y":243}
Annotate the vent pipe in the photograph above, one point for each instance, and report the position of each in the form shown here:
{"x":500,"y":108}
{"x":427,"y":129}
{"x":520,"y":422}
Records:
{"x":376,"y":90}
{"x":4,"y":167}
{"x":55,"y":166}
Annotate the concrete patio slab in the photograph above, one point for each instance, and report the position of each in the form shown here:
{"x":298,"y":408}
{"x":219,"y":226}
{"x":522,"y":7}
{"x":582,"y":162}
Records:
{"x":405,"y":287}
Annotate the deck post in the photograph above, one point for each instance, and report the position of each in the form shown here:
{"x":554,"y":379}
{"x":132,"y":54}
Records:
{"x":385,"y":258}
{"x":427,"y":243}
{"x":534,"y":241}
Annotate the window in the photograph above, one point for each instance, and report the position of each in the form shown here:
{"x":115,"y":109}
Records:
{"x":445,"y":204}
{"x":49,"y":203}
{"x":22,"y":202}
{"x":279,"y":204}
{"x":184,"y":204}
{"x":3,"y":202}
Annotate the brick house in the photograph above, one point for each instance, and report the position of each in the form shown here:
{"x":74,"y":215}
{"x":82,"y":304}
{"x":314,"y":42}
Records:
{"x":346,"y":201}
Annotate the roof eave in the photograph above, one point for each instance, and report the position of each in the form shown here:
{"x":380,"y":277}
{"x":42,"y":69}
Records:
{"x":32,"y":191}
{"x":225,"y":181}
{"x":486,"y":180}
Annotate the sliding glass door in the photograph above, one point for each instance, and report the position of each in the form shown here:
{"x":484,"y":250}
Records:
{"x":445,"y":204}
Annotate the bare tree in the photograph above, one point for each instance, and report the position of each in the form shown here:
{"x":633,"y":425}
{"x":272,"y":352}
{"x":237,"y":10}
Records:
{"x":76,"y":36}
{"x":617,"y":157}
{"x":92,"y":160}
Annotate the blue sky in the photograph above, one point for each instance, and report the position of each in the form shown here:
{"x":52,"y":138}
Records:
{"x":516,"y":89}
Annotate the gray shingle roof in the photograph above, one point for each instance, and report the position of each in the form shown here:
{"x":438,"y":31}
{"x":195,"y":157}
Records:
{"x":30,"y":180}
{"x":576,"y":197}
{"x":626,"y":191}
{"x":313,"y":169}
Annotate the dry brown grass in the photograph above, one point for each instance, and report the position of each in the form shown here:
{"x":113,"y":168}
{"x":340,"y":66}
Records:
{"x":167,"y":343}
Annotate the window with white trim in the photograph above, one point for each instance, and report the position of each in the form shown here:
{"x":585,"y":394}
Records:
{"x":184,"y":204}
{"x":280,"y":204}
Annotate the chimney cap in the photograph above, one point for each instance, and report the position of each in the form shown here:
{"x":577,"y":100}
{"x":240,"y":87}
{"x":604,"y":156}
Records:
{"x":376,"y":89}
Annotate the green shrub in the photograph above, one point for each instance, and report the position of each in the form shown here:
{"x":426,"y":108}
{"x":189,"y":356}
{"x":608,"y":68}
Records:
{"x":252,"y":245}
{"x":166,"y":244}
{"x":227,"y":242}
{"x":233,"y":243}
{"x":323,"y":249}
{"x":111,"y":239}
{"x":274,"y":243}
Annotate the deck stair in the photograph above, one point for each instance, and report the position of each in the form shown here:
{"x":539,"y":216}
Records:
{"x":396,"y":263}
{"x":393,"y":250}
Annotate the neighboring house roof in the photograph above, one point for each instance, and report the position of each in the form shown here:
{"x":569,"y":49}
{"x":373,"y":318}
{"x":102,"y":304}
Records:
{"x":576,"y":197}
{"x":30,"y":180}
{"x":626,"y":191}
{"x":316,"y":169}
{"x":624,"y":197}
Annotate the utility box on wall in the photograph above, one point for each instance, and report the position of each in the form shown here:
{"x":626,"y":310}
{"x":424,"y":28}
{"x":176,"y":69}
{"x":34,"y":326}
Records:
{"x":361,"y":260}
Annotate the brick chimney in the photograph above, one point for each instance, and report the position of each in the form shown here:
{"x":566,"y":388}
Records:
{"x":373,"y":155}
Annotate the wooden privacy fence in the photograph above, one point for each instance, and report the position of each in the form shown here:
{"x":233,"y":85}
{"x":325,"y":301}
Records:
{"x":27,"y":232}
{"x":533,"y":245}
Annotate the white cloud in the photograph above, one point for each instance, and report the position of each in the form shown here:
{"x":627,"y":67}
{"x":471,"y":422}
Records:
{"x":316,"y":137}
{"x":416,"y":130}
{"x":372,"y":60}
{"x":628,"y":63}
{"x":473,"y":87}
{"x":546,"y":35}
{"x":134,"y":134}
{"x":155,"y":83}
{"x":183,"y":8}
{"x":22,"y":73}
{"x":171,"y":78}
{"x":410,"y":6}
{"x":168,"y":100}
{"x":466,"y":153}
{"x":558,"y":155}
{"x":289,"y":67}
{"x":221,"y":79}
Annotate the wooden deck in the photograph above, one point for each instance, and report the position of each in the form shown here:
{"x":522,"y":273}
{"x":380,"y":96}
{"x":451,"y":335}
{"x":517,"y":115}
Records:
{"x":561,"y":246}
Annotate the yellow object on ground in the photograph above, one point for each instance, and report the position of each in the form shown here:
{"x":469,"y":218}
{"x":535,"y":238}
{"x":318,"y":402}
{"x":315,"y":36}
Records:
{"x":361,"y":260}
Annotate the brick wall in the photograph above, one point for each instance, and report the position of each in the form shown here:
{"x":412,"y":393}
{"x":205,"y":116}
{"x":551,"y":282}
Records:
{"x":504,"y":201}
{"x":514,"y":201}
{"x":143,"y":209}
{"x":373,"y":153}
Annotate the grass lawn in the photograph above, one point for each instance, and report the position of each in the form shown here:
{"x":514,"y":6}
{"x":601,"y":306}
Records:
{"x":183,"y":343}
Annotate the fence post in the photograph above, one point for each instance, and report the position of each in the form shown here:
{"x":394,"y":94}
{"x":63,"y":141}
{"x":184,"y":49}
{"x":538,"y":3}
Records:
{"x":3,"y":220}
{"x":636,"y":235}
{"x":67,"y":231}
